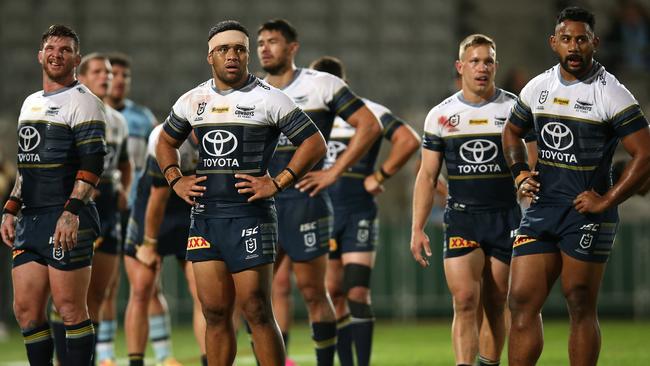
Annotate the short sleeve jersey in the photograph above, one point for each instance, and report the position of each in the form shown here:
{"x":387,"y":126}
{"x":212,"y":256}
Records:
{"x":238,"y":130}
{"x":322,"y":96}
{"x":577,"y":125}
{"x":469,"y":137}
{"x":54,"y":131}
{"x":348,"y":190}
{"x":153,"y":176}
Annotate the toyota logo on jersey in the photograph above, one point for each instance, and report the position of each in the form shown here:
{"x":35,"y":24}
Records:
{"x":557,"y":136}
{"x":478,"y":151}
{"x":219,"y":143}
{"x":28,"y":138}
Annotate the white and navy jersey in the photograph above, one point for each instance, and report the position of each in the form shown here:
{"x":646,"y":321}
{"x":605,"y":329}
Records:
{"x":116,"y":145}
{"x":323,"y":97}
{"x":469,"y":136}
{"x":54,"y":130}
{"x":153,"y":177}
{"x":238,"y":130}
{"x":578,"y":125}
{"x":140,"y":122}
{"x":348,"y":191}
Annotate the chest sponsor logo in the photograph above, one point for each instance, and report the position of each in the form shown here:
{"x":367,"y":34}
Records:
{"x":561,"y":101}
{"x":478,"y":154}
{"x":52,"y":111}
{"x":197,"y":242}
{"x":334,"y":148}
{"x":583,"y":106}
{"x":457,"y":242}
{"x":200,"y":108}
{"x":500,"y":121}
{"x":478,"y":121}
{"x":28,"y":140}
{"x":543,"y":96}
{"x":558,"y":137}
{"x":244,"y":111}
{"x":302,"y":99}
{"x":522,"y":239}
{"x":223,"y":109}
{"x":219,"y":144}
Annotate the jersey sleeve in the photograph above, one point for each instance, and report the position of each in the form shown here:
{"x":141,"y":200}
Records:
{"x":291,"y":120}
{"x":88,"y":123}
{"x":124,"y":154}
{"x":432,"y":138}
{"x":521,"y":115}
{"x":341,"y":99}
{"x":390,"y":123}
{"x":622,"y":110}
{"x":177,"y":124}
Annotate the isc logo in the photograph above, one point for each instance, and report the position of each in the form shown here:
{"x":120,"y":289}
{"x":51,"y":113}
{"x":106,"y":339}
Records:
{"x":249,"y":231}
{"x":308,"y":226}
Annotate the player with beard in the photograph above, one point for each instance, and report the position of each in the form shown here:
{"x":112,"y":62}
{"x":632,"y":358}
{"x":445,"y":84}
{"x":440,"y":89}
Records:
{"x":356,"y":225}
{"x":61,"y":150}
{"x":579,"y":112}
{"x":238,"y":119}
{"x":482,"y":212}
{"x":305,"y":212}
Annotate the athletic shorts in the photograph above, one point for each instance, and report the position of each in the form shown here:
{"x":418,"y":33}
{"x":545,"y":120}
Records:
{"x":242,"y":242}
{"x":110,"y":235}
{"x":35,"y":242}
{"x":305,"y":227}
{"x":354,"y":232}
{"x":493,"y":232}
{"x":549,"y":229}
{"x":172,"y":236}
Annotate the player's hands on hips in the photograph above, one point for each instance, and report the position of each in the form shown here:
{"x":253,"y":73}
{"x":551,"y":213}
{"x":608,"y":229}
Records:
{"x":258,"y":187}
{"x":8,"y":229}
{"x":188,"y":188}
{"x":315,"y":181}
{"x":147,"y":255}
{"x":65,"y":234}
{"x":419,"y":243}
{"x":529,"y":188}
{"x":372,"y":186}
{"x":590,"y":202}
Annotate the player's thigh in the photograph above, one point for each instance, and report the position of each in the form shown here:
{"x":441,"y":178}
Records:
{"x":581,"y":281}
{"x":495,"y":280}
{"x":253,"y":288}
{"x":69,"y":292}
{"x":214,"y":286}
{"x":531,"y":279}
{"x":142,"y":279}
{"x":463,"y":273}
{"x":311,"y":274}
{"x":363,"y":258}
{"x":103,"y":272}
{"x":31,"y":292}
{"x":282,"y":277}
{"x":188,"y":270}
{"x":334,"y":277}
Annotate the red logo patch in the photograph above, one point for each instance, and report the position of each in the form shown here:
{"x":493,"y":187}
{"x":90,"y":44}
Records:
{"x":522,"y":239}
{"x":197,"y":242}
{"x":456,"y":242}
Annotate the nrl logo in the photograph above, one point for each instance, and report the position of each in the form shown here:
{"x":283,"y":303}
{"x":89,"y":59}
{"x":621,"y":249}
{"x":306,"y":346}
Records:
{"x":201,"y":108}
{"x":542,"y":96}
{"x":251,"y":245}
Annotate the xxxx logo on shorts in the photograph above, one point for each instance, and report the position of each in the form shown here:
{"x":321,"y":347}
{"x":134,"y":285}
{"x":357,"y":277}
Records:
{"x":456,"y":242}
{"x":522,"y":239}
{"x":197,"y":242}
{"x":17,"y":252}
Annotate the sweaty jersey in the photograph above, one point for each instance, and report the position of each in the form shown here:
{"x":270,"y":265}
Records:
{"x":348,"y":191}
{"x":469,"y":137}
{"x":578,"y":125}
{"x":153,"y":176}
{"x":116,"y":150}
{"x":238,"y":130}
{"x":323,"y":97}
{"x":140,"y":122}
{"x":54,"y":130}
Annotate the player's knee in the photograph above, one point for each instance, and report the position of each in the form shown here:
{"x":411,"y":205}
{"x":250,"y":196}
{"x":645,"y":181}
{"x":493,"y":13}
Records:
{"x":356,"y":275}
{"x":361,"y":310}
{"x":26,"y":315}
{"x":466,"y":301}
{"x":282,"y":286}
{"x":580,"y":303}
{"x":141,"y":293}
{"x":71,"y":312}
{"x":256,"y":309}
{"x":313,"y":294}
{"x":216,"y":315}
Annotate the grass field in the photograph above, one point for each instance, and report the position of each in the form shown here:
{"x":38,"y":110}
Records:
{"x":401,"y":344}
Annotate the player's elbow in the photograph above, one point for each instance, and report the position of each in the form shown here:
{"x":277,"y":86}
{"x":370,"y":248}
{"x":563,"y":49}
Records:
{"x":372,"y":128}
{"x":320,"y":147}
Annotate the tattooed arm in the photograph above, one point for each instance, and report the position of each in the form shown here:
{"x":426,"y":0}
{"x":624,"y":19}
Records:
{"x":11,"y":208}
{"x":65,"y":234}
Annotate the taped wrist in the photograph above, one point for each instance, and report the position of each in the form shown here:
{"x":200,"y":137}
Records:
{"x":381,"y":175}
{"x":74,"y":205}
{"x":90,"y":169}
{"x":172,"y":174}
{"x":149,"y":242}
{"x":284,"y":179}
{"x":12,"y":206}
{"x":520,"y":172}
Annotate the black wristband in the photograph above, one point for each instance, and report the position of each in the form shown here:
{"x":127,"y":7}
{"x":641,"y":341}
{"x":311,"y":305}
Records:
{"x":517,"y":168}
{"x":74,"y":205}
{"x":174,"y":181}
{"x":293,"y":174}
{"x":383,"y":172}
{"x":169,"y":167}
{"x":277,"y":186}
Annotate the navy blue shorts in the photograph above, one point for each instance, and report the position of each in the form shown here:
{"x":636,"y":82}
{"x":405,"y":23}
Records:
{"x":549,"y":229}
{"x":242,"y":242}
{"x":354,"y":232}
{"x":34,"y":239}
{"x":493,"y":232}
{"x":305,"y":227}
{"x":172,"y":236}
{"x":110,"y":235}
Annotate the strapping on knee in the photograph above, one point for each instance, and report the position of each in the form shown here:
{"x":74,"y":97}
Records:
{"x":361,"y":311}
{"x":356,"y":275}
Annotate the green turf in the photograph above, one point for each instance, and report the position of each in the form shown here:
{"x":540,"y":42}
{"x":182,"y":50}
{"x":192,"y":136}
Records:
{"x":410,"y":343}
